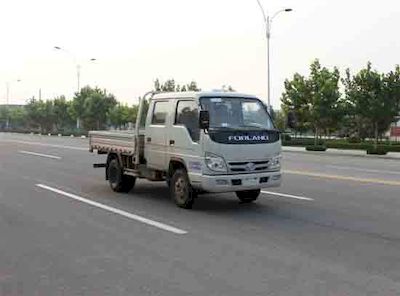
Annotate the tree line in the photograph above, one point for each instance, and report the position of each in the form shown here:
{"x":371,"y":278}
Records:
{"x":361,"y":105}
{"x":89,"y":109}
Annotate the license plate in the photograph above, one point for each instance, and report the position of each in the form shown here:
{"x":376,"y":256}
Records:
{"x":250,"y":181}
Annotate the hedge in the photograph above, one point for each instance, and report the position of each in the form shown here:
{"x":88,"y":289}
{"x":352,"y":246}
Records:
{"x":342,"y":144}
{"x":316,"y":148}
{"x":378,"y":150}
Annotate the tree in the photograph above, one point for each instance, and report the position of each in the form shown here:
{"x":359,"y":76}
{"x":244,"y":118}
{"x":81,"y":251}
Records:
{"x":373,"y":98}
{"x":324,"y":102}
{"x":63,"y":118}
{"x":280,"y":120}
{"x":120,"y":115}
{"x":18,"y":117}
{"x":296,"y":99}
{"x":4,"y":115}
{"x":315,"y":100}
{"x":192,"y":86}
{"x":96,"y":105}
{"x":91,"y":105}
{"x":41,"y":114}
{"x":76,"y":109}
{"x":171,"y":86}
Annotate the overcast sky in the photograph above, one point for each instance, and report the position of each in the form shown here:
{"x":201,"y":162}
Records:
{"x":213,"y":42}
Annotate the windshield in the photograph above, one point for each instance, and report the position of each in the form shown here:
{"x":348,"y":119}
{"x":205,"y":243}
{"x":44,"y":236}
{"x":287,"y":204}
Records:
{"x":237,"y":113}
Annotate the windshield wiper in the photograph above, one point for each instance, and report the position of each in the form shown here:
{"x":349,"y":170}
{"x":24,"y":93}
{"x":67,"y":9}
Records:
{"x":252,"y":126}
{"x":222,"y":128}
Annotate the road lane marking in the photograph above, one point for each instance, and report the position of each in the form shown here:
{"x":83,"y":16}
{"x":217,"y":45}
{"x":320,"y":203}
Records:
{"x":287,"y":195}
{"x":342,"y":178}
{"x":363,"y":170}
{"x":39,"y":154}
{"x":48,"y":145}
{"x":116,"y":211}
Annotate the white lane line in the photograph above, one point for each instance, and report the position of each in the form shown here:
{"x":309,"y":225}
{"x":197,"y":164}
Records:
{"x":39,"y":154}
{"x":363,"y":170}
{"x":287,"y":195}
{"x":47,"y":145}
{"x":116,"y":211}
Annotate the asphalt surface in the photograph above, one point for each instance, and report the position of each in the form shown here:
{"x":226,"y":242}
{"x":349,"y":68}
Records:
{"x":332,"y":228}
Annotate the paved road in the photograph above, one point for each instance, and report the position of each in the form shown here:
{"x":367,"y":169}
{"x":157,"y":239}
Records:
{"x":331,"y":229}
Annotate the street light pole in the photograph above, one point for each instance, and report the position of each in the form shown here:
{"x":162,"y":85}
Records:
{"x":268,"y":22}
{"x":8,"y":101}
{"x":268,"y":33}
{"x":77,"y":65}
{"x":8,"y":92}
{"x":78,"y":74}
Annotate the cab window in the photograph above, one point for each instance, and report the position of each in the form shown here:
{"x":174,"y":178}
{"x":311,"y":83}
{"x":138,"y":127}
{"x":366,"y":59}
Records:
{"x":187,"y":114}
{"x":160,"y":112}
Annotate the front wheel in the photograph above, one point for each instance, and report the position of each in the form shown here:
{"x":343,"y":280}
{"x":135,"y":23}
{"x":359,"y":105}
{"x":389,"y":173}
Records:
{"x":118,"y":181}
{"x":181,"y":190}
{"x":248,"y":196}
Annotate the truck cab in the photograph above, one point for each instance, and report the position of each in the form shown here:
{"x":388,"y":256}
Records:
{"x":201,"y":142}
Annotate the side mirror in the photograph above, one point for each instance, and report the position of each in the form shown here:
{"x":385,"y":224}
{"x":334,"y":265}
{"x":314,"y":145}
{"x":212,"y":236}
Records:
{"x":204,"y":119}
{"x":291,"y":120}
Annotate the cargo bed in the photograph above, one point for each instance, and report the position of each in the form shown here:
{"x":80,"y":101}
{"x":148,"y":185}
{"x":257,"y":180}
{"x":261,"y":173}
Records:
{"x":112,"y":141}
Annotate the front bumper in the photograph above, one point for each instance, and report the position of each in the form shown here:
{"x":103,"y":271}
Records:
{"x":237,"y":182}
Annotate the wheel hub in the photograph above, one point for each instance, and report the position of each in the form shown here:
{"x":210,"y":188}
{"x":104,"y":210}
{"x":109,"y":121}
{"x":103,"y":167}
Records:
{"x":180,"y":189}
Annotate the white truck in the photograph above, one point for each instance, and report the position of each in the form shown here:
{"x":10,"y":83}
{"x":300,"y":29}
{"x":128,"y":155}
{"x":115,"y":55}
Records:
{"x":198,"y":142}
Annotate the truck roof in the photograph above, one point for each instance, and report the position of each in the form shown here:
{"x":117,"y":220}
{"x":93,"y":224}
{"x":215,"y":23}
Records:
{"x":198,"y":94}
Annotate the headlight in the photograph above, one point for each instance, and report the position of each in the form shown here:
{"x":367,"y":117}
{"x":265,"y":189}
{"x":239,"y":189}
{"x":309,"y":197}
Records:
{"x":275,"y":162}
{"x":215,"y":163}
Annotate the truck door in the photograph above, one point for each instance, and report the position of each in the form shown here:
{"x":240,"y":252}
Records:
{"x":184,"y":135}
{"x":156,"y":134}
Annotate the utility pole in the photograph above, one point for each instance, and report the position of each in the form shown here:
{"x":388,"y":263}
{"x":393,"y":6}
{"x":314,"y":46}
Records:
{"x":268,"y":22}
{"x":78,"y":74}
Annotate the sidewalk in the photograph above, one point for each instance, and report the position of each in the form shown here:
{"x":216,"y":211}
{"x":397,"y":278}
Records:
{"x":341,"y":152}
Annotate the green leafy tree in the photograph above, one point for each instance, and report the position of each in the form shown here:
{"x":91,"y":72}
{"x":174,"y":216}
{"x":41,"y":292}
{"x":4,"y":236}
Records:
{"x":90,"y":106}
{"x":296,"y":99}
{"x":171,"y":86}
{"x":63,"y":119}
{"x":18,"y":117}
{"x":280,"y":120}
{"x":77,"y":107}
{"x":373,"y":98}
{"x":41,"y":114}
{"x":324,"y":102}
{"x":192,"y":86}
{"x":96,"y":106}
{"x":315,"y":100}
{"x":4,"y":116}
{"x":120,"y":115}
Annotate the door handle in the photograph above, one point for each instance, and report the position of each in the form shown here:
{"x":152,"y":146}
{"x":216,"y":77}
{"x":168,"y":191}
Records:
{"x":148,"y":139}
{"x":171,"y":142}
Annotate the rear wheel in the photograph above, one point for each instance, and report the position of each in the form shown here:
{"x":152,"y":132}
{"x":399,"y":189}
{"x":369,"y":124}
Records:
{"x":118,"y":181}
{"x":181,"y":190}
{"x":248,"y":196}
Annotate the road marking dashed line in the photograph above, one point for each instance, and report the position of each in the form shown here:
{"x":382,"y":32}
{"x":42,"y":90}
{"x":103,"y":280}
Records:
{"x":47,"y":145}
{"x":39,"y":154}
{"x":342,"y":178}
{"x":287,"y":195}
{"x":115,"y":210}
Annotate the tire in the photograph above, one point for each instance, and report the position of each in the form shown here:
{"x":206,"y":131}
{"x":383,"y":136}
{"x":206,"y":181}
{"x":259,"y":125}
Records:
{"x":248,"y":196}
{"x":180,"y":189}
{"x":118,"y":181}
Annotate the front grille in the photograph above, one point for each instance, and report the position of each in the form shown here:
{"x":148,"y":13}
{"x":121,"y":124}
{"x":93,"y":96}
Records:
{"x":248,"y":166}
